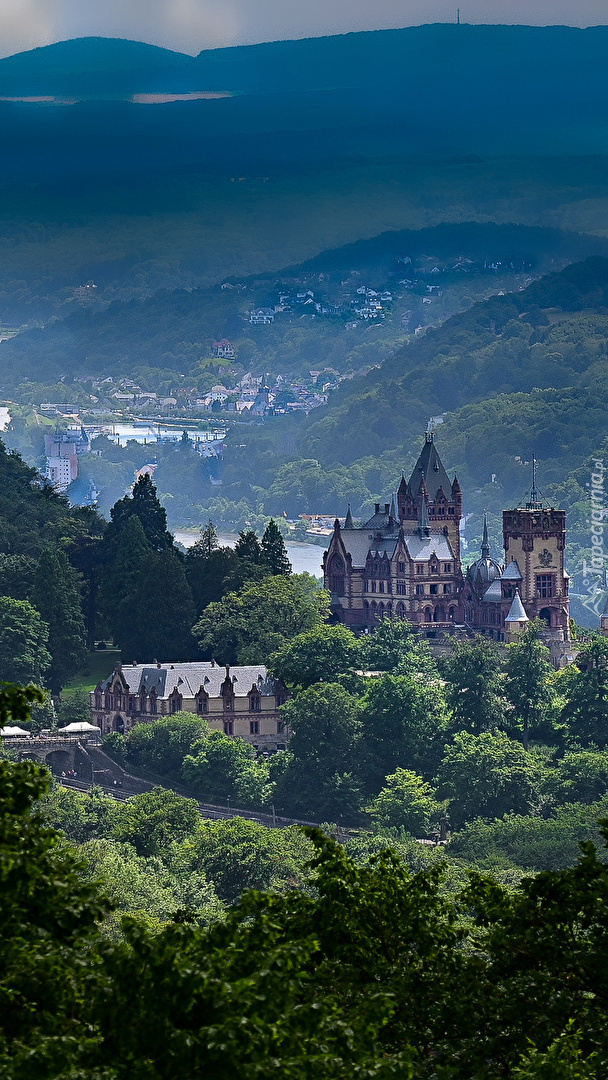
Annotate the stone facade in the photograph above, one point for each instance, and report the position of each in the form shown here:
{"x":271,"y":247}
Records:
{"x":405,"y":563}
{"x":240,"y":701}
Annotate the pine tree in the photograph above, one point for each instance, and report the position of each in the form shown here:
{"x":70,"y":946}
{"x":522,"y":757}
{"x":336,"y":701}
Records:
{"x":122,"y":589}
{"x":56,"y":595}
{"x":165,"y":613}
{"x":274,"y":552}
{"x":145,"y":504}
{"x":208,"y":539}
{"x":248,"y":547}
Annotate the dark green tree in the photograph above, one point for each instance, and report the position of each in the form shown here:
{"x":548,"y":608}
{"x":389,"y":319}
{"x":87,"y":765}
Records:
{"x":165,"y":611}
{"x":586,"y":710}
{"x":17,"y":574}
{"x":145,"y":504}
{"x":527,"y":686}
{"x":249,"y":626}
{"x":474,"y":686}
{"x":208,"y":541}
{"x":162,"y":746}
{"x":319,"y":655}
{"x":209,"y":571}
{"x":155,"y":820}
{"x":24,"y":656}
{"x":274,"y":552}
{"x":56,"y":595}
{"x":224,"y":770}
{"x":404,"y":726}
{"x":325,"y":748}
{"x":487,"y":776}
{"x":123,"y":588}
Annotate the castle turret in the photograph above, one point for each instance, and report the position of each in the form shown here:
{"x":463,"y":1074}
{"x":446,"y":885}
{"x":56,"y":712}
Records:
{"x":516,"y":620}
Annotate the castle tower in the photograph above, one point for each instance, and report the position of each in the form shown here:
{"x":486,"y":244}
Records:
{"x":430,"y":482}
{"x":517,"y":620}
{"x":535,"y":537}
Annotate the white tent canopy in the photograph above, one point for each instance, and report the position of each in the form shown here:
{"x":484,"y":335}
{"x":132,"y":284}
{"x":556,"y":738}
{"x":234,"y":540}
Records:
{"x":7,"y":732}
{"x":75,"y":729}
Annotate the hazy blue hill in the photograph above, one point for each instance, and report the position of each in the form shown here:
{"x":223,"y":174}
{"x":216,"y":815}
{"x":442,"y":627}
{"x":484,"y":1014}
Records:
{"x":89,"y":65}
{"x":467,"y":88}
{"x":173,"y":328}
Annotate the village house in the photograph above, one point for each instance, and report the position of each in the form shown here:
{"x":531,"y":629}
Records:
{"x":240,"y":701}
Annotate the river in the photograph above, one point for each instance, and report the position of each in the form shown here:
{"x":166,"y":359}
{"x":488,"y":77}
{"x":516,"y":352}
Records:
{"x":304,"y":558}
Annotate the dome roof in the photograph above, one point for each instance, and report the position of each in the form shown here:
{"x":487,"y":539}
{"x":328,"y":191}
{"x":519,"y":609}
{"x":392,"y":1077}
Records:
{"x":484,"y":570}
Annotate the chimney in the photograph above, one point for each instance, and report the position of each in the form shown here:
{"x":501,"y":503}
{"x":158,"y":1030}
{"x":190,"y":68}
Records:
{"x":377,"y":505}
{"x":387,"y":507}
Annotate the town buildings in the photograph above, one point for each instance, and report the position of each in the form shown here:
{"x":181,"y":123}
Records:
{"x":405,"y":562}
{"x":240,"y":701}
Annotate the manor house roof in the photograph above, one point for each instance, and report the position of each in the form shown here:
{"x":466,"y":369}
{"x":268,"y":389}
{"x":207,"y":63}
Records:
{"x":187,"y":678}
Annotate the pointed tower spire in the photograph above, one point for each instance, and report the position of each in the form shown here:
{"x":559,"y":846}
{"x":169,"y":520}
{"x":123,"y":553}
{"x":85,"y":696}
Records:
{"x":485,"y":543}
{"x":394,"y":512}
{"x":424,"y":525}
{"x":348,"y":520}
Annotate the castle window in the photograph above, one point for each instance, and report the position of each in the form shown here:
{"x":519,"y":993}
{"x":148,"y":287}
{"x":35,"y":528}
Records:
{"x":254,"y":727}
{"x":450,"y":509}
{"x":420,"y":568}
{"x":545,"y":586}
{"x":228,"y":704}
{"x":281,"y":699}
{"x":373,"y":586}
{"x":153,"y":702}
{"x":280,"y":727}
{"x":447,"y":588}
{"x":131,"y":703}
{"x":401,"y":568}
{"x":381,"y":586}
{"x":228,"y":727}
{"x":98,"y":700}
{"x":447,"y":568}
{"x":419,"y":590}
{"x":434,"y":590}
{"x":202,"y":704}
{"x":176,"y":703}
{"x":366,"y":585}
{"x":401,"y":588}
{"x":400,"y":611}
{"x":255,"y":703}
{"x":434,"y":569}
{"x":336,"y":577}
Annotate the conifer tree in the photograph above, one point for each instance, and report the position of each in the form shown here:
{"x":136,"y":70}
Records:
{"x":274,"y":552}
{"x":56,"y":595}
{"x":24,"y":657}
{"x":145,"y":504}
{"x":123,"y":585}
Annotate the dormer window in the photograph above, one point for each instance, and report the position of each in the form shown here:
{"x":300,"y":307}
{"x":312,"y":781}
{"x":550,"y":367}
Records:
{"x":175,"y":702}
{"x":255,"y":703}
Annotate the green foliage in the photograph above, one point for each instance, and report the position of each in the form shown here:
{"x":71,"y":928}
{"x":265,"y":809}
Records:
{"x":586,"y":710}
{"x":162,"y":746}
{"x":80,"y":817}
{"x":225,"y":770}
{"x":325,"y":746}
{"x":322,"y":654}
{"x":474,"y":685}
{"x":528,"y":687}
{"x":403,"y":726}
{"x":56,"y":595}
{"x":208,"y":572}
{"x":249,"y":626}
{"x":534,"y":843}
{"x":238,"y":855}
{"x":144,"y":504}
{"x":24,"y":656}
{"x":406,"y":802}
{"x":274,"y":552}
{"x":115,"y":744}
{"x":154,"y":821}
{"x":487,"y":776}
{"x":17,"y":576}
{"x":580,"y":777}
{"x":74,"y":708}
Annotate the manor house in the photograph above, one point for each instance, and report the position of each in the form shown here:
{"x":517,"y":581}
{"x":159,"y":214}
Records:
{"x":405,"y":562}
{"x":240,"y":701}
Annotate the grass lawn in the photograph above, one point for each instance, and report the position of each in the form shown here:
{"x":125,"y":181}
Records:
{"x":98,"y":666}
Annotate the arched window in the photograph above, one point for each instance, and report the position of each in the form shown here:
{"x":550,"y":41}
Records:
{"x":428,"y":615}
{"x":546,"y":614}
{"x":336,"y":575}
{"x":142,"y":701}
{"x":452,"y":613}
{"x":255,"y":703}
{"x":175,"y":702}
{"x":202,"y":702}
{"x":153,"y":702}
{"x":118,"y":724}
{"x":400,"y":611}
{"x":98,"y":699}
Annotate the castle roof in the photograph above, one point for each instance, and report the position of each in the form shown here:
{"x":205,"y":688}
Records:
{"x":429,"y":469}
{"x":493,"y":593}
{"x":484,"y":569}
{"x":187,"y":678}
{"x":517,"y":611}
{"x":512,"y":572}
{"x":421,"y":548}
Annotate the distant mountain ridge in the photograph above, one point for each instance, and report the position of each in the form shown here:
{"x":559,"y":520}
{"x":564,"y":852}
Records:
{"x":424,"y":60}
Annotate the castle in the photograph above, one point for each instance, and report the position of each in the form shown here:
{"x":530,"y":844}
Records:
{"x":405,"y":562}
